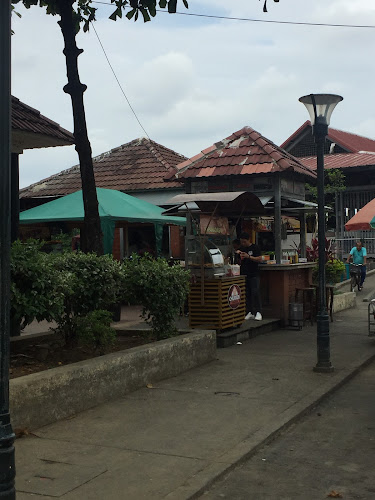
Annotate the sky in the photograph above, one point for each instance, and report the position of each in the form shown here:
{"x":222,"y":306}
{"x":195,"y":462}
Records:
{"x":192,"y":81}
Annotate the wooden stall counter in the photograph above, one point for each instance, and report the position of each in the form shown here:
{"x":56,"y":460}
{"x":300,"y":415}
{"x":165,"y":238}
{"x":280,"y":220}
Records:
{"x":223,"y":305}
{"x":278,"y":283}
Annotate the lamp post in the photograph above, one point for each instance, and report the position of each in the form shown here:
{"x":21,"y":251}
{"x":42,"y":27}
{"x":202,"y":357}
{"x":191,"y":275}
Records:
{"x":7,"y":468}
{"x":320,"y":108}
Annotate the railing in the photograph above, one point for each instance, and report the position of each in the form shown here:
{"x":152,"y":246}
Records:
{"x":344,"y":245}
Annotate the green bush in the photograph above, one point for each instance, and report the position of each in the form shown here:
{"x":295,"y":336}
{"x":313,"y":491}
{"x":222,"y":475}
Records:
{"x":37,"y":290}
{"x":91,"y":282}
{"x":161,"y":290}
{"x":334,"y":270}
{"x":94,"y":330}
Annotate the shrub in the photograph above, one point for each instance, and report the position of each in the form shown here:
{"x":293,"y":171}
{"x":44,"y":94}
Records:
{"x":37,"y":289}
{"x":160,"y":289}
{"x":334,"y":270}
{"x":94,"y":330}
{"x":91,"y":282}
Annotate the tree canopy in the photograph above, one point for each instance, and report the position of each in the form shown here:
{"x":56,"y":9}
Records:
{"x":84,"y":11}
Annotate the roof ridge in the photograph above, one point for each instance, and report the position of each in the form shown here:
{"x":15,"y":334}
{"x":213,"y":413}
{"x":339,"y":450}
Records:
{"x":151,"y":146}
{"x":276,"y":157}
{"x":134,"y":155}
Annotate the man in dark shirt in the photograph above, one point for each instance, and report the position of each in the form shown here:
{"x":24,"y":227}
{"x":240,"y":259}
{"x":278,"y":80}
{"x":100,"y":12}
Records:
{"x":250,"y":257}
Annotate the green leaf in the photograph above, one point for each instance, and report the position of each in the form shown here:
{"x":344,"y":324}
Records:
{"x":145,"y":15}
{"x":186,"y":4}
{"x":163,"y":4}
{"x":152,"y":10}
{"x":172,"y":6}
{"x":117,"y":13}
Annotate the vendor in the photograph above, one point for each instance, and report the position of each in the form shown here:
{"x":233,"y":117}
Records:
{"x":250,"y":257}
{"x":234,"y":256}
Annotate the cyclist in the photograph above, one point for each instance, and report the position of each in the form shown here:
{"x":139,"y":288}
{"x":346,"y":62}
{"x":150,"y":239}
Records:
{"x":359,"y":255}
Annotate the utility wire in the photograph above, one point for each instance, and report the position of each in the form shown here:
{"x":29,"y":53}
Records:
{"x":117,"y":80}
{"x":258,"y":20}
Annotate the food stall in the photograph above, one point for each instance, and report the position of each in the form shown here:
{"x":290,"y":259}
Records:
{"x":217,"y":293}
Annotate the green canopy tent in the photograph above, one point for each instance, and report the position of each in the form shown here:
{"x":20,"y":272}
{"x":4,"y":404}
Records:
{"x":114,"y":206}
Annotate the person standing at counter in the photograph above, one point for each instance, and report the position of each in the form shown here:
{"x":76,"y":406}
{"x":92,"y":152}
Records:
{"x":250,"y":257}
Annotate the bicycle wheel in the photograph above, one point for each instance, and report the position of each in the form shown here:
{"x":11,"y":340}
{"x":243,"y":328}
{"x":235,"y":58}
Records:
{"x":353,"y":283}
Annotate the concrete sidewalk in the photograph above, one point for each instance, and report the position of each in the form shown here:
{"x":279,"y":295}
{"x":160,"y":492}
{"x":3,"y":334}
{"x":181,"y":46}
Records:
{"x":173,"y":439}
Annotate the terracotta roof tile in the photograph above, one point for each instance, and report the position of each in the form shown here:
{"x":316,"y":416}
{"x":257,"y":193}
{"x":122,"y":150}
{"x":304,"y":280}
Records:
{"x":244,"y":152}
{"x":352,"y":142}
{"x":29,"y":120}
{"x":138,"y":165}
{"x":342,"y":160}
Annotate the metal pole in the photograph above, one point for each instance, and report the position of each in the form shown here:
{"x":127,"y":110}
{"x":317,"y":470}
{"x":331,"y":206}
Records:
{"x":277,"y":219}
{"x":322,"y":319}
{"x":15,"y":197}
{"x":302,"y":223}
{"x":7,"y":467}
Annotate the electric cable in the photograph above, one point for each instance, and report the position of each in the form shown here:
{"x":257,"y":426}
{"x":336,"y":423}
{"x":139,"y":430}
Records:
{"x":118,"y":81}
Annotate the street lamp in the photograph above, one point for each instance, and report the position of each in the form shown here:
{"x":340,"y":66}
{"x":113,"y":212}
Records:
{"x":7,"y":469}
{"x":320,"y":108}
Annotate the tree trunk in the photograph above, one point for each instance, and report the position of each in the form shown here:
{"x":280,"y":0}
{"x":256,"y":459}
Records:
{"x":92,"y":238}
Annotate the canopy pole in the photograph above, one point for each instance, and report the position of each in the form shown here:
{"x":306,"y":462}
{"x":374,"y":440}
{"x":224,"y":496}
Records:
{"x":277,"y":218}
{"x":302,"y":231}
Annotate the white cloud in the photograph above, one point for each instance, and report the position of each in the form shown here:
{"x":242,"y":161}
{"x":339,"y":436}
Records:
{"x":193,"y":81}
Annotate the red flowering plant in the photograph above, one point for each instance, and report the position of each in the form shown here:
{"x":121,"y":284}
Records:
{"x":312,"y":252}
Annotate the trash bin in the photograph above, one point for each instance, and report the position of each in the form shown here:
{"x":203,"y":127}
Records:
{"x":296,"y":315}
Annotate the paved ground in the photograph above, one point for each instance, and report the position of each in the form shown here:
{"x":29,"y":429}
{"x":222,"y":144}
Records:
{"x":331,"y":450}
{"x":173,"y":439}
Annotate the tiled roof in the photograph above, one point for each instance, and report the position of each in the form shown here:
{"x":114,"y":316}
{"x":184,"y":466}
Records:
{"x":342,"y":160}
{"x":244,"y":152}
{"x":352,"y":142}
{"x":138,"y":165}
{"x":29,"y":124}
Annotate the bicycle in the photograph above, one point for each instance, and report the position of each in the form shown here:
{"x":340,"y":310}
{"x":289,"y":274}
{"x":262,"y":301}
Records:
{"x":371,"y":318}
{"x":355,"y":276}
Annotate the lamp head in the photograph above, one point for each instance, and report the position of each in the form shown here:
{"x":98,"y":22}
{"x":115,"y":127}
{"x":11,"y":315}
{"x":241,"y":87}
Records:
{"x":320,"y":108}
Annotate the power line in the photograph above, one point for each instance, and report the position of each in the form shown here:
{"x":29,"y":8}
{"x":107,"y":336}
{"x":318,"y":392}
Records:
{"x":117,"y":80}
{"x":247,"y":19}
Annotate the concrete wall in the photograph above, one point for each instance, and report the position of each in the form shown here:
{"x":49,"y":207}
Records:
{"x":54,"y":394}
{"x":343,"y":301}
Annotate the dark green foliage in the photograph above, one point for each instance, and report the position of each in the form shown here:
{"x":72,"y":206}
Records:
{"x":94,"y":330}
{"x":334,"y":270}
{"x":334,"y":183}
{"x":265,"y":5}
{"x":90,"y":282}
{"x":160,"y":289}
{"x":37,"y":288}
{"x":84,"y":12}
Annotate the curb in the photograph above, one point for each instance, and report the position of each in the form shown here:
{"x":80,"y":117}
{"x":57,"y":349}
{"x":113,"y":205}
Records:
{"x":205,"y":478}
{"x":45,"y":397}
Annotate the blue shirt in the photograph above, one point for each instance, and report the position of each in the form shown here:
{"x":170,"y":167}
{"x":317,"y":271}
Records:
{"x":358,"y":255}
